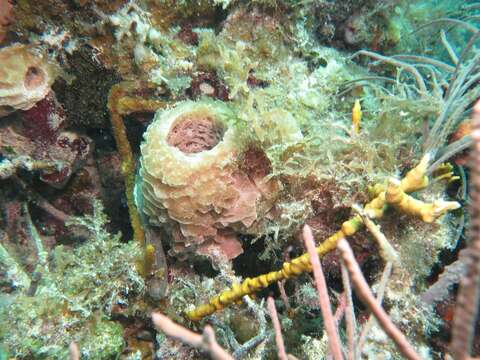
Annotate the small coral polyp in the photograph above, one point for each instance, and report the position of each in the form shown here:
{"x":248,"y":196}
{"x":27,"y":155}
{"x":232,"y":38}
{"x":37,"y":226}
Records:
{"x":191,"y":179}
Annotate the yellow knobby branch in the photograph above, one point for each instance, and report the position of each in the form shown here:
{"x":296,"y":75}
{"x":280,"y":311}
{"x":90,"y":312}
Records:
{"x":414,"y":180}
{"x":356,"y":116}
{"x":296,"y":267}
{"x":428,"y":212}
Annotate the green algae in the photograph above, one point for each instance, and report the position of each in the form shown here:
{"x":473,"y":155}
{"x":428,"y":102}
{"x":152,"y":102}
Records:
{"x":73,"y":300}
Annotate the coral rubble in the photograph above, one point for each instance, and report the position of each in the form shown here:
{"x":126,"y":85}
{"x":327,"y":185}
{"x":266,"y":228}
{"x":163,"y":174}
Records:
{"x":43,"y":144}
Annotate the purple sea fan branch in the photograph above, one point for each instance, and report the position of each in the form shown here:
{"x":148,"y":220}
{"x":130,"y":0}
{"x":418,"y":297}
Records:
{"x":451,"y":275}
{"x":282,"y":355}
{"x":332,"y":333}
{"x":205,"y":342}
{"x":365,"y":294}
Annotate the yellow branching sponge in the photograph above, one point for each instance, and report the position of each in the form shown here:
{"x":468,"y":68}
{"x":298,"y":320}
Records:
{"x":198,"y":176}
{"x":414,"y":180}
{"x":291,"y":269}
{"x":428,"y":212}
{"x":396,"y":195}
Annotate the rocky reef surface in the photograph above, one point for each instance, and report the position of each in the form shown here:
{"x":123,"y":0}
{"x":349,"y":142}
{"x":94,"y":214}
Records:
{"x":160,"y":155}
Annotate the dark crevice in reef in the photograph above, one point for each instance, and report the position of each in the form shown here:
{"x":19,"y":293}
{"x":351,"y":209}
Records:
{"x":204,"y":267}
{"x":457,"y":191}
{"x":248,"y":264}
{"x":136,"y":125}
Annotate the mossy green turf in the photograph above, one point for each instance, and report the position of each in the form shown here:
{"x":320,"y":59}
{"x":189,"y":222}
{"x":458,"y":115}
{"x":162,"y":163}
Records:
{"x":74,"y":299}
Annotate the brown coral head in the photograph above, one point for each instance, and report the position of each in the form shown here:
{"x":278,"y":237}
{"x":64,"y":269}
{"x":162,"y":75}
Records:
{"x":34,"y":77}
{"x":195,"y":132}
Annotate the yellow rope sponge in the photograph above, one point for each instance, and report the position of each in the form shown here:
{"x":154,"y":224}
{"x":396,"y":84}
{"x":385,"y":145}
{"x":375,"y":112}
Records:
{"x":414,"y":180}
{"x":120,"y":104}
{"x":294,"y":268}
{"x":146,"y":264}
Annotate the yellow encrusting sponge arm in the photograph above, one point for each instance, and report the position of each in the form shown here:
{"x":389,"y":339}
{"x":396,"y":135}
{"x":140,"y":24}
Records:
{"x":296,"y":267}
{"x":394,"y":194}
{"x":427,"y":212}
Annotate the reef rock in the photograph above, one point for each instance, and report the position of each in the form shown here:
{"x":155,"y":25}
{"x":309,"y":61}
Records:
{"x":25,"y":78}
{"x":6,"y":17}
{"x":42,"y":143}
{"x":203,"y":179}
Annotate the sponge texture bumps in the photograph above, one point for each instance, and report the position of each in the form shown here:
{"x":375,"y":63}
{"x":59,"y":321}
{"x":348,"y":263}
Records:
{"x":193,"y":179}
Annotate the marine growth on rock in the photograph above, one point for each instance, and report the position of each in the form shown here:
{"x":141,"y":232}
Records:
{"x":232,"y":143}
